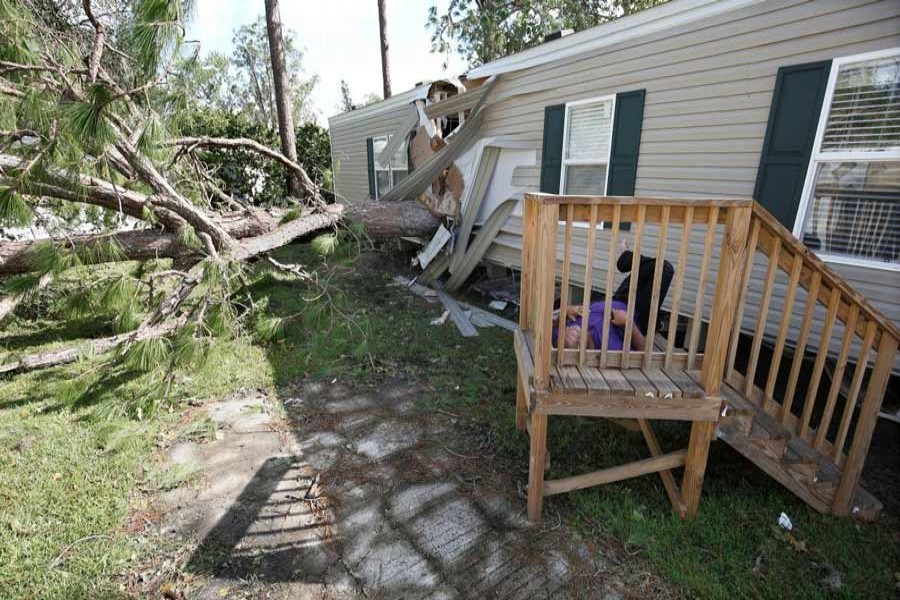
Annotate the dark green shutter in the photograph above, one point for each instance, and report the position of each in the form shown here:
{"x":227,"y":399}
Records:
{"x":370,"y":159}
{"x":551,"y":155}
{"x":626,"y":143}
{"x":790,"y":134}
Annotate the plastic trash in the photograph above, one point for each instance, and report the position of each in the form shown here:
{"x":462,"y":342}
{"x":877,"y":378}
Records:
{"x":785,"y":522}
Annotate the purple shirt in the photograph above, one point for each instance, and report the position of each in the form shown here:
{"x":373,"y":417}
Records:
{"x":596,"y":319}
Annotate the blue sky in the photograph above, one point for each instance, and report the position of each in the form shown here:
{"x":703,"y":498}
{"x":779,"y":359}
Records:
{"x":340,"y":40}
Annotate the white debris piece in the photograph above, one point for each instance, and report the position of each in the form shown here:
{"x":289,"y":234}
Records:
{"x":497,"y":304}
{"x":441,"y":319}
{"x":785,"y":522}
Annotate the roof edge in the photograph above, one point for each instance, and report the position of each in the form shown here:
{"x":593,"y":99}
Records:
{"x":417,"y":93}
{"x":645,"y":22}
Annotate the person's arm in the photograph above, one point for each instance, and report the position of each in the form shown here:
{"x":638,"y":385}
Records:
{"x":619,"y":319}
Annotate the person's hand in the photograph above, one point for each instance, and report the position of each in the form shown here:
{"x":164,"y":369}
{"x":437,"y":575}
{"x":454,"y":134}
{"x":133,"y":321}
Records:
{"x":572,"y":312}
{"x":619,"y":317}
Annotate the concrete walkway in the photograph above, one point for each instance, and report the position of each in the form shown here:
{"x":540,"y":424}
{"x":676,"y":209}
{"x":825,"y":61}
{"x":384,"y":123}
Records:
{"x":353,"y":493}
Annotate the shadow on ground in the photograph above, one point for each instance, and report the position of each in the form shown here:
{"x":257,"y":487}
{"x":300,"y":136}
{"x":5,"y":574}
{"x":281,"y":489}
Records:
{"x":367,"y":496}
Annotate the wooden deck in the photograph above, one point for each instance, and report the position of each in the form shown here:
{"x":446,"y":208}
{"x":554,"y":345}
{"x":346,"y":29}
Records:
{"x":810,"y":434}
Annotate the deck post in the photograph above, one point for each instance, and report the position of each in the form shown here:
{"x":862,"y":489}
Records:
{"x":536,"y":466}
{"x":521,"y":405}
{"x":529,"y":222}
{"x":734,"y":253}
{"x":541,"y":285}
{"x":865,"y":425}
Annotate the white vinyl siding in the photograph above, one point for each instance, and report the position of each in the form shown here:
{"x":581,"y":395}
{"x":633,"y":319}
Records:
{"x":852,"y":194}
{"x":586,"y":146}
{"x":709,"y":88}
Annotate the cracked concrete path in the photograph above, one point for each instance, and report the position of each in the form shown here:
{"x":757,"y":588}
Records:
{"x":335,"y":491}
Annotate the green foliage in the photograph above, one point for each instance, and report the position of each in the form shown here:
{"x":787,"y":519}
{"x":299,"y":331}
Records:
{"x":14,"y":211}
{"x":156,"y":32}
{"x":485,"y":30}
{"x":48,"y":257}
{"x":291,"y":215}
{"x":148,"y":355}
{"x":187,"y":236}
{"x":246,"y":174}
{"x":325,"y":244}
{"x":154,"y":133}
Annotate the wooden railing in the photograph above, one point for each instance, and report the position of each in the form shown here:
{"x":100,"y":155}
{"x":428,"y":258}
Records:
{"x":555,"y":225}
{"x":818,"y":315}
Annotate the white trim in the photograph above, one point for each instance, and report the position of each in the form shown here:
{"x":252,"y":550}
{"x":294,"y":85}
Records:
{"x":613,"y":33}
{"x":817,"y":156}
{"x":858,"y":262}
{"x":417,"y":93}
{"x":564,"y":162}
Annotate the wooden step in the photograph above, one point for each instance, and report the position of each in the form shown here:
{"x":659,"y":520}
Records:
{"x":787,"y":458}
{"x":811,"y":472}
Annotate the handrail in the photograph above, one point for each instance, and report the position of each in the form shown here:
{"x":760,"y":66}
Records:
{"x":829,"y":276}
{"x":858,"y":328}
{"x":865,"y":330}
{"x":547,"y":217}
{"x":544,"y":198}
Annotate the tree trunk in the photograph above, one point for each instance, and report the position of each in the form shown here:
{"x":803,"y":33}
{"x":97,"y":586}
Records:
{"x":385,"y":65}
{"x":283,"y":103}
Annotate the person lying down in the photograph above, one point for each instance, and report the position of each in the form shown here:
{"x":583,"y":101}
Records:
{"x":615,"y":317}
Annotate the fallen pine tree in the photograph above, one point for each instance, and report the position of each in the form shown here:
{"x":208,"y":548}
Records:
{"x":88,"y":109}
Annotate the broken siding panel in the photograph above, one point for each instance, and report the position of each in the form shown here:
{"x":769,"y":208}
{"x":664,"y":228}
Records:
{"x":709,"y":86}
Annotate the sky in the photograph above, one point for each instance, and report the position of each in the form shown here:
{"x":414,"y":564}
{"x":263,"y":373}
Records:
{"x":340,"y":41}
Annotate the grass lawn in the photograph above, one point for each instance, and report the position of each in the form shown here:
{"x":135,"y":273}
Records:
{"x":71,"y":467}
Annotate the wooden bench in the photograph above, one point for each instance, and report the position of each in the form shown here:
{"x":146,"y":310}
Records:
{"x":659,"y":382}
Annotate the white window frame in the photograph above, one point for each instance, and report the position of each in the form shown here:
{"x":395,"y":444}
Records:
{"x":566,"y":162}
{"x":817,"y":157}
{"x":390,"y":169}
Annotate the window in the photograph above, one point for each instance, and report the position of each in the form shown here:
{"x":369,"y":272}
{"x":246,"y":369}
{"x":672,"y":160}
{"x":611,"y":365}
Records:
{"x":851,"y":199}
{"x":390,"y":174}
{"x":588,"y":137}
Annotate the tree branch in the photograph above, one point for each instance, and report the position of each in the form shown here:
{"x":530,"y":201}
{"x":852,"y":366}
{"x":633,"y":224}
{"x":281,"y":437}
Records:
{"x":309,"y":188}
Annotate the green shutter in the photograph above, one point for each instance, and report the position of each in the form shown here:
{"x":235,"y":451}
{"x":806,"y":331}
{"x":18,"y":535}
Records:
{"x":551,"y":155}
{"x":790,"y":134}
{"x":626,"y":143}
{"x":370,"y":160}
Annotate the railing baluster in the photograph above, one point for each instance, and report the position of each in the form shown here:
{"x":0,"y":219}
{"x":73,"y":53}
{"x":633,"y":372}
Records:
{"x":763,"y":314}
{"x":657,"y":283}
{"x":775,"y":365}
{"x":865,"y":425}
{"x":610,"y":279}
{"x":679,"y":283}
{"x":742,"y":298}
{"x":838,"y":377}
{"x":632,"y":284}
{"x":588,"y":284}
{"x":800,"y":349}
{"x":862,"y":364}
{"x":564,"y":288}
{"x":824,"y":341}
{"x":697,"y":321}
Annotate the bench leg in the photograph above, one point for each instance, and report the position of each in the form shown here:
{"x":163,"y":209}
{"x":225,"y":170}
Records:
{"x":521,"y":407}
{"x":536,"y":466}
{"x":695,"y":465}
